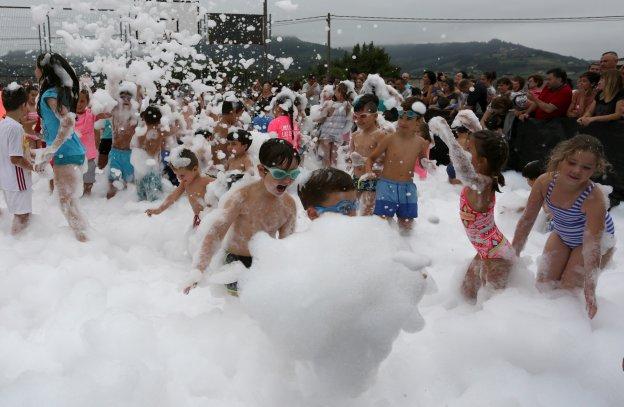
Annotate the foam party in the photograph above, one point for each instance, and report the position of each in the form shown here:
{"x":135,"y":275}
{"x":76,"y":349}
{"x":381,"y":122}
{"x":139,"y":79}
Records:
{"x":199,"y":209}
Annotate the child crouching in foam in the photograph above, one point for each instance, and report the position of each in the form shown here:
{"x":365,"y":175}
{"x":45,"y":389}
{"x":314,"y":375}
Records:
{"x":186,"y":167}
{"x":328,"y":190}
{"x":262,"y":206}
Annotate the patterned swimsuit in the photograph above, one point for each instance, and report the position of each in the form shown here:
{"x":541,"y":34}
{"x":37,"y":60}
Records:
{"x":482,"y":230}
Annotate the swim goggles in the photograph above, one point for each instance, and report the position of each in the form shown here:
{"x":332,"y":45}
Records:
{"x":410,"y":114}
{"x":344,"y":207}
{"x":279,"y":173}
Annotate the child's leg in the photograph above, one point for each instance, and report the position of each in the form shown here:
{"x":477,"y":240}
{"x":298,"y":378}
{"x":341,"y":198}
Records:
{"x":496,"y":272}
{"x":367,"y":199}
{"x":573,"y":275}
{"x":19,"y":223}
{"x":554,"y":259}
{"x":51,"y":183}
{"x":111,"y":190}
{"x":472,"y":279}
{"x":102,"y":161}
{"x":405,"y":225}
{"x":325,"y":152}
{"x":334,"y":154}
{"x":68,"y":179}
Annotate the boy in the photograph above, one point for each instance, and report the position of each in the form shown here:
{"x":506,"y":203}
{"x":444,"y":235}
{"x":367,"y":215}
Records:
{"x":263,"y":206}
{"x":532,"y":171}
{"x":363,"y":142}
{"x":238,"y":143}
{"x":149,"y":187}
{"x":15,"y":168}
{"x":328,"y":190}
{"x":186,"y":167}
{"x":396,"y":191}
{"x":230,"y":113}
{"x":124,"y":122}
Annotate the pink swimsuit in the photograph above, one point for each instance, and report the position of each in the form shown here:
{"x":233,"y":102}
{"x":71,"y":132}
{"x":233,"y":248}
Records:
{"x":482,"y":231}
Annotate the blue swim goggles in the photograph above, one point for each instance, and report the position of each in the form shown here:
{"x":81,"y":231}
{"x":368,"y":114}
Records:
{"x":279,"y":173}
{"x":410,"y":114}
{"x":344,"y":207}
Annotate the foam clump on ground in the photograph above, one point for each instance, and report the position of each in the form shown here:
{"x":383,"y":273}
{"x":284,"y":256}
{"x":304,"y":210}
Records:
{"x":328,"y":297}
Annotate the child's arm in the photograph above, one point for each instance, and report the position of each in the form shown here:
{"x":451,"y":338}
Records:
{"x":595,"y":211}
{"x":288,"y":228}
{"x":533,"y":207}
{"x":462,"y":160}
{"x":381,"y":148}
{"x":67,"y":124}
{"x":169,"y":200}
{"x":22,"y":163}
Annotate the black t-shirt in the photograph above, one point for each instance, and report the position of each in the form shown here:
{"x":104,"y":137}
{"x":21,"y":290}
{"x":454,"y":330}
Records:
{"x":478,"y":97}
{"x":606,"y":108}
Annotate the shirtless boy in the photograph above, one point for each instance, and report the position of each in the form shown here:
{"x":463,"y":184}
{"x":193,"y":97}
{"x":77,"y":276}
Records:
{"x":186,"y":167}
{"x":238,"y":143}
{"x":363,"y":142}
{"x":396,"y":191}
{"x":263,"y":206}
{"x":230,"y":113}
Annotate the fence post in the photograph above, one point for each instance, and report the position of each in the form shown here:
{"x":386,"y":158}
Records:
{"x":39,"y":31}
{"x":328,"y":45}
{"x":49,"y":34}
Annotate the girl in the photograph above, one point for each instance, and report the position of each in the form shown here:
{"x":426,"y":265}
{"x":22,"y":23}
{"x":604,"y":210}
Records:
{"x":59,"y":96}
{"x":337,"y":119}
{"x":609,"y":103}
{"x":90,"y":138}
{"x":583,"y":233}
{"x":31,"y":121}
{"x":480,"y":170}
{"x":284,"y":123}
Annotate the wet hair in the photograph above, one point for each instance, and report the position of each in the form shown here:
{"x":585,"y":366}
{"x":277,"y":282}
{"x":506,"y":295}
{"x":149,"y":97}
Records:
{"x":152,"y":115}
{"x":323,"y":182}
{"x":493,"y":147}
{"x":51,"y":65}
{"x":431,"y":76}
{"x":229,"y":106}
{"x":368,"y":102}
{"x":580,"y":142}
{"x":242,"y":136}
{"x":290,"y":111}
{"x":538,"y":79}
{"x":205,"y":133}
{"x":85,"y":91}
{"x":558,"y":73}
{"x":533,"y":170}
{"x":186,"y":153}
{"x":14,"y":99}
{"x":592,"y":77}
{"x":520,"y":81}
{"x":278,"y":153}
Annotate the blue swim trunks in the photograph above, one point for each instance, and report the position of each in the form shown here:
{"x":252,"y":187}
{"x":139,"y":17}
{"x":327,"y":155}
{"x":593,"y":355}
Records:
{"x":119,"y":165}
{"x":396,"y":198}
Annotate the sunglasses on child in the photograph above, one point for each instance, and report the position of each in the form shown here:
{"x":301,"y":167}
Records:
{"x":279,"y":173}
{"x":344,"y":207}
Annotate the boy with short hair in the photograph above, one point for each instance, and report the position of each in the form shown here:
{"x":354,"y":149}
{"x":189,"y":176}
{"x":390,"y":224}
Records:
{"x":328,"y":190}
{"x":149,"y":186}
{"x":363,"y":142}
{"x":396,"y":191}
{"x":186,"y":167}
{"x":231,"y":110}
{"x":262,"y":206}
{"x":238,"y":143}
{"x":15,"y":167}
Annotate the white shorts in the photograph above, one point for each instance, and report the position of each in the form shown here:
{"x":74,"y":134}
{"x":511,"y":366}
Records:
{"x":19,"y":202}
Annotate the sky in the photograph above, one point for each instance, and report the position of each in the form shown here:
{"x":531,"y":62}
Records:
{"x":584,"y":40}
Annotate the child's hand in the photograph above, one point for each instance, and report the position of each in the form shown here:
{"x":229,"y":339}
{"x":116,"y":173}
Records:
{"x":194,"y":279}
{"x":590,"y":297}
{"x":151,"y":212}
{"x":368,"y":175}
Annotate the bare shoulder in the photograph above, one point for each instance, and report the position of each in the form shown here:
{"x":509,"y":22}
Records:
{"x":542,"y":182}
{"x":289,"y":203}
{"x":595,"y":201}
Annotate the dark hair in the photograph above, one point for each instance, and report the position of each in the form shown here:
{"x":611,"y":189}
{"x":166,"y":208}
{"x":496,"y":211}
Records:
{"x":533,"y":170}
{"x":205,"y":133}
{"x":501,"y":103}
{"x":13,"y":99}
{"x":558,"y":73}
{"x":520,"y":81}
{"x":407,"y":103}
{"x":368,"y":102}
{"x":321,"y":183}
{"x":229,"y":106}
{"x":290,"y":112}
{"x":416,"y":91}
{"x":152,"y":115}
{"x":538,"y":79}
{"x":85,"y":91}
{"x":242,"y":136}
{"x":439,"y":76}
{"x":493,"y":147}
{"x":450,"y":83}
{"x":592,"y":77}
{"x":504,"y":81}
{"x":278,"y":153}
{"x":51,"y":64}
{"x":463,"y":74}
{"x":32,"y":88}
{"x":431,"y":75}
{"x":186,"y":153}
{"x":490,"y":76}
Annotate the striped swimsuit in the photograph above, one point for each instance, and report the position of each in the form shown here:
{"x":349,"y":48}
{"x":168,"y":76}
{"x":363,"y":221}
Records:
{"x":569,"y":224}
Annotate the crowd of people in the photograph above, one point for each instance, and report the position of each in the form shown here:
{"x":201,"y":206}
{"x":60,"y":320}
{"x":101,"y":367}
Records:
{"x":363,"y":141}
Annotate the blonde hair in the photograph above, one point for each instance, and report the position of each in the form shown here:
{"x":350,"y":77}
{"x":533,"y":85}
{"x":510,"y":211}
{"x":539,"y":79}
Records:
{"x":581,"y":142}
{"x":612,"y":84}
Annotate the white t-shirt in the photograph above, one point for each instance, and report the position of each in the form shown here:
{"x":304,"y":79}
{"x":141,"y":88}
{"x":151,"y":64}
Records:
{"x":12,"y":177}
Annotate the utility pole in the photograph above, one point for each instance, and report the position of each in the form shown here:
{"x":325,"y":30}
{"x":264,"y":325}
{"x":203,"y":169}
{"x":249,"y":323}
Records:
{"x":328,"y":28}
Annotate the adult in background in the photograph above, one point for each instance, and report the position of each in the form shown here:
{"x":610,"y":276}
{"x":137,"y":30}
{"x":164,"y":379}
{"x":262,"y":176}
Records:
{"x":608,"y":61}
{"x":401,"y":87}
{"x":59,"y":90}
{"x":312,"y":90}
{"x":488,"y":78}
{"x":554,"y":99}
{"x":608,"y":105}
{"x":429,"y":87}
{"x":584,"y":95}
{"x":476,"y":96}
{"x":535,"y":84}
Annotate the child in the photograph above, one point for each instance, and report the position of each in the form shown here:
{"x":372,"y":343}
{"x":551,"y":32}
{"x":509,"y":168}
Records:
{"x":328,"y":190}
{"x":230,"y":114}
{"x":263,"y":206}
{"x":238,"y":145}
{"x":363,"y":142}
{"x":582,"y":239}
{"x":15,"y":167}
{"x":396,"y":191}
{"x":465,"y":123}
{"x":336,"y":121}
{"x":106,"y":140}
{"x":479,"y":169}
{"x":284,"y":124}
{"x":192,"y":183}
{"x":85,"y":127}
{"x":149,"y":186}
{"x":532,"y":171}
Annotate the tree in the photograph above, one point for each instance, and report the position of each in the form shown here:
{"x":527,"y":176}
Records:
{"x":367,"y":58}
